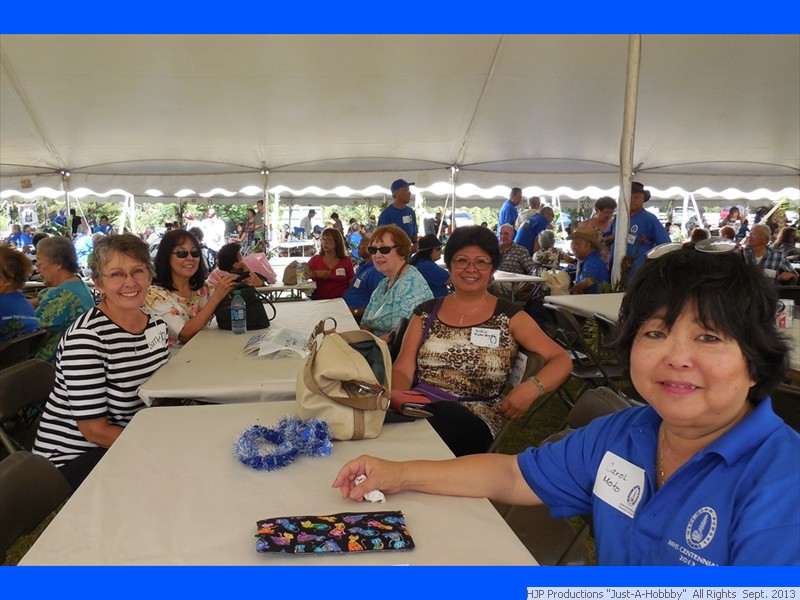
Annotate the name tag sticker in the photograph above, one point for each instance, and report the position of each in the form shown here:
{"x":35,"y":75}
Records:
{"x":156,"y":336}
{"x":631,"y":239}
{"x":357,"y":283}
{"x":619,"y":483}
{"x":340,"y":272}
{"x":406,"y":219}
{"x":485,"y":338}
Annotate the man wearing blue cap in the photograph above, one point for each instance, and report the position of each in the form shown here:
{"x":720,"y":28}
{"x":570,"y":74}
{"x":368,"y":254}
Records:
{"x":398,"y":212}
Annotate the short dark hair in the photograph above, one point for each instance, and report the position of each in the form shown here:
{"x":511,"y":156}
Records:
{"x":196,"y":232}
{"x":473,"y":235}
{"x":604,"y":203}
{"x":124,"y":243}
{"x":730,"y":296}
{"x":60,"y":251}
{"x":515,"y":191}
{"x":227,"y":255}
{"x":164,"y":269}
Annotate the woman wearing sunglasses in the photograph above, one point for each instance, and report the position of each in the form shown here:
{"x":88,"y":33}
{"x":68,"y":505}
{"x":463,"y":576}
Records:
{"x":465,"y":344}
{"x":404,"y":287}
{"x":180,"y":294}
{"x":704,"y":474}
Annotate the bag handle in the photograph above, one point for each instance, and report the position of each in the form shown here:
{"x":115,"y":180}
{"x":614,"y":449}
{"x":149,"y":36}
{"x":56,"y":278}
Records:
{"x":378,"y":402}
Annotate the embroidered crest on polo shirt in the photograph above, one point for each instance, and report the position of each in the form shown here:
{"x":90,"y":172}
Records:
{"x":701,"y":528}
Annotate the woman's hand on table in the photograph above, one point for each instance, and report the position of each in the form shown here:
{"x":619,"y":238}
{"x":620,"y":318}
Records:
{"x":382,"y":475}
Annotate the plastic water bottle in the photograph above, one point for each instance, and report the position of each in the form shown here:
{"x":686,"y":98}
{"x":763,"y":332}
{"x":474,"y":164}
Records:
{"x":238,"y":313}
{"x":300,"y":271}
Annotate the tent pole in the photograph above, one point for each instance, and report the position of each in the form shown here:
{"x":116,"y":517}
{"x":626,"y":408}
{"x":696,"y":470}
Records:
{"x":626,"y":156}
{"x":264,"y":210}
{"x":453,"y":177}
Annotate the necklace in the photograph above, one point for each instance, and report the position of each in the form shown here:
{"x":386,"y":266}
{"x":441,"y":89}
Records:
{"x":466,"y":314}
{"x":391,"y":283}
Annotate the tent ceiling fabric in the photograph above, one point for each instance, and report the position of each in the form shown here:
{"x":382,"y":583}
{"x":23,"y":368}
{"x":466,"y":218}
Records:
{"x":202,"y":112}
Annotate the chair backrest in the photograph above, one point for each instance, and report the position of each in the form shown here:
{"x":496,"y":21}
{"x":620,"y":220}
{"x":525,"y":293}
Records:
{"x":21,"y":347}
{"x":572,"y":336}
{"x":593,"y":403}
{"x":786,"y":404}
{"x":396,"y":338}
{"x":25,"y":384}
{"x":31,"y":487}
{"x":607,"y":330}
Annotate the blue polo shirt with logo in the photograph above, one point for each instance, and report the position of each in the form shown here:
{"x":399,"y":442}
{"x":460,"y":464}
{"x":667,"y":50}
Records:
{"x":737,"y":502}
{"x":530,"y":230}
{"x":405,"y":218}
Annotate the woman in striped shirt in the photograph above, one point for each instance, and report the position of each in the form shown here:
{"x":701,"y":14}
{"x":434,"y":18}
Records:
{"x":101,"y":361}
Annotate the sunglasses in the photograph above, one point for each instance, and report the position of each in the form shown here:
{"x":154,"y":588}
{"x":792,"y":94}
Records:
{"x":383,"y":249}
{"x":713,"y":245}
{"x":183,"y":253}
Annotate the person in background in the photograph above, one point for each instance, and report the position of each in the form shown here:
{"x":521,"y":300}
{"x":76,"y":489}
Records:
{"x":404,"y":287}
{"x":399,"y":213}
{"x":731,"y":218}
{"x":728,"y":232}
{"x":61,"y":218}
{"x":101,"y":361}
{"x":337,"y":222}
{"x":83,"y":243}
{"x":260,"y":229}
{"x":331,"y":269}
{"x":77,"y":220}
{"x":209,"y":255}
{"x":179,"y":294}
{"x":430,"y":251}
{"x":213,"y":230}
{"x":771,"y":262}
{"x":66,"y":298}
{"x":698,"y":234}
{"x":366,"y":280}
{"x":371,"y":224}
{"x":229,"y":259}
{"x":604,"y":210}
{"x":250,"y":227}
{"x":645,"y":232}
{"x":786,"y":242}
{"x":16,"y":313}
{"x":103,"y":227}
{"x":548,"y":256}
{"x":470,"y":348}
{"x":509,"y":211}
{"x":514,"y":259}
{"x":305,"y":223}
{"x":534,"y":204}
{"x":240,"y":235}
{"x":152,"y":237}
{"x":528,"y":235}
{"x":17,"y":237}
{"x":704,"y":472}
{"x":592,"y":270}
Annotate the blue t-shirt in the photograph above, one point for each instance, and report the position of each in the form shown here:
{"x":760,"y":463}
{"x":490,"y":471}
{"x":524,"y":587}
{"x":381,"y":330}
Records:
{"x":106,"y":229}
{"x":20,"y":239}
{"x":436,"y":277}
{"x":508,"y":214}
{"x":405,"y":218}
{"x":364,"y":283}
{"x":530,"y":230}
{"x":83,"y":248}
{"x":16,"y":316}
{"x":594,"y":267}
{"x":645,"y":232}
{"x":737,"y":502}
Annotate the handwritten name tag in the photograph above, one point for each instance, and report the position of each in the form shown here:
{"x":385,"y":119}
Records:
{"x":485,"y":338}
{"x":340,"y":272}
{"x":619,"y":483}
{"x":630,"y":239}
{"x":156,"y":336}
{"x":357,"y":283}
{"x":406,"y":219}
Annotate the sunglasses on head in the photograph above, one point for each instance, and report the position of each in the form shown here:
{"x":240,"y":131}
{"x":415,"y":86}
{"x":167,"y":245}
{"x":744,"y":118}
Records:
{"x":712,"y":245}
{"x":183,"y":253}
{"x":382,"y":249}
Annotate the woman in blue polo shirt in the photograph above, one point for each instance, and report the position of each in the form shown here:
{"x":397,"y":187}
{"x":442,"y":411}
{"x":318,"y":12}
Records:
{"x":704,"y":474}
{"x":430,"y":250}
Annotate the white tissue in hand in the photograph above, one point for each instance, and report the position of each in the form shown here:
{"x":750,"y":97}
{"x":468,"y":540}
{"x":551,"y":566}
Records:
{"x":374,"y":495}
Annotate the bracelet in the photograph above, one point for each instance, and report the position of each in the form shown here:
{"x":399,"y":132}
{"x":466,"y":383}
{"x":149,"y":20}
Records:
{"x":539,"y":385}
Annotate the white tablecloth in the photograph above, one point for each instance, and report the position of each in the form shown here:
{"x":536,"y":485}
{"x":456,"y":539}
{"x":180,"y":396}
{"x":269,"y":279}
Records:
{"x":585,"y":305}
{"x":210,"y":366}
{"x":170,"y":492}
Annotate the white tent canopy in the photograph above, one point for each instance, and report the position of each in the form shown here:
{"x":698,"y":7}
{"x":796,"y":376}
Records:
{"x":342,"y":116}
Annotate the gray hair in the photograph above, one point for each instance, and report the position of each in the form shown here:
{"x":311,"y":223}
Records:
{"x":509,"y":225}
{"x":547,"y":239}
{"x":124,"y":243}
{"x":60,"y":251}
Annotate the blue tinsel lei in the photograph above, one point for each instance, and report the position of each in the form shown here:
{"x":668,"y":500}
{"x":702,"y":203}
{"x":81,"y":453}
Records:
{"x":292,"y":436}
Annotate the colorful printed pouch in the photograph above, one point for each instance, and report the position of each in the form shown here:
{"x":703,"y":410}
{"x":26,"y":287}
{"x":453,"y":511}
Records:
{"x":342,"y":532}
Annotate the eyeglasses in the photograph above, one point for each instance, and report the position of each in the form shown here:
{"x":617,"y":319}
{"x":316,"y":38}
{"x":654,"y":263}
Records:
{"x":383,"y":249}
{"x":712,"y":245}
{"x":462,"y":262}
{"x":119,"y":277}
{"x":183,"y":253}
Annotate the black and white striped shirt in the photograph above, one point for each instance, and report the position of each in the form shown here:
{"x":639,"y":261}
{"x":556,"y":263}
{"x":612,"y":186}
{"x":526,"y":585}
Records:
{"x":99,"y":368}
